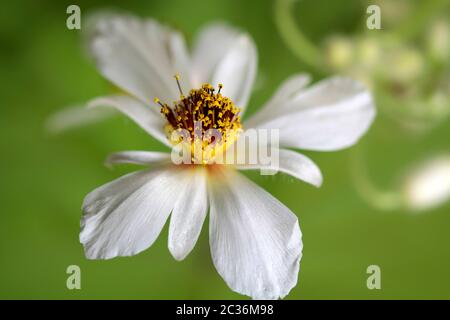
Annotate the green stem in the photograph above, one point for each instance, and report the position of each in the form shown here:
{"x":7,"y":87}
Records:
{"x":296,"y":41}
{"x":380,"y":199}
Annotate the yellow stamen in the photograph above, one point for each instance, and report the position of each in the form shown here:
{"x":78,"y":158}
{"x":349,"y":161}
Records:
{"x":209,"y":110}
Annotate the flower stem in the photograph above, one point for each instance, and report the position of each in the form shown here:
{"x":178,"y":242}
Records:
{"x":379,"y":199}
{"x":293,"y":37}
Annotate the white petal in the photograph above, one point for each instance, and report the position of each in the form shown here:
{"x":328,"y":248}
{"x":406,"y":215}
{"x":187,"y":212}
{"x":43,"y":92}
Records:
{"x":286,"y":92}
{"x":148,"y":119}
{"x":75,"y":117}
{"x":138,"y":157}
{"x":294,"y":164}
{"x":188,"y":216}
{"x":225,"y":55}
{"x":331,"y":115}
{"x":125,"y":216}
{"x":255,"y":240}
{"x":140,"y":56}
{"x":212,"y":43}
{"x":291,"y":87}
{"x":181,"y":63}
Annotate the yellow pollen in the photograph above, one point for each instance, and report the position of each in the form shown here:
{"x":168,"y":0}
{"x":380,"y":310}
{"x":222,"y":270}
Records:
{"x":204,"y":114}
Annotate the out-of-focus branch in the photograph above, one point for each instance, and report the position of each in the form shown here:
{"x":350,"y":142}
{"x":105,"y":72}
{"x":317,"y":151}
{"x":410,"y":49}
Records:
{"x":294,"y":38}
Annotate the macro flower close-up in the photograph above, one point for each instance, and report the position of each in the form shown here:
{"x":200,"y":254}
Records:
{"x":255,"y":240}
{"x":224,"y":158}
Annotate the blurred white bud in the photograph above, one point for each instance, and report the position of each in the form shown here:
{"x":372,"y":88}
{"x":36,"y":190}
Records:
{"x":428,"y":186}
{"x":368,"y":52}
{"x":404,"y":65}
{"x":439,"y":40}
{"x":339,"y":52}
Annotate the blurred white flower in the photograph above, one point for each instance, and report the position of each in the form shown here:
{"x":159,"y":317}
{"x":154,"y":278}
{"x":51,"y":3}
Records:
{"x":428,"y":185}
{"x":404,"y":65}
{"x":255,"y":240}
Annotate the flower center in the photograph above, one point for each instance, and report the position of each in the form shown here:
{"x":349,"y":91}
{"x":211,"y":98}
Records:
{"x":205,"y":116}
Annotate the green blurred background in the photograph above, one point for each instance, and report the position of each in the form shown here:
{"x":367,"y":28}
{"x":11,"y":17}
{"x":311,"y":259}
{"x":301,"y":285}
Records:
{"x":44,"y":177}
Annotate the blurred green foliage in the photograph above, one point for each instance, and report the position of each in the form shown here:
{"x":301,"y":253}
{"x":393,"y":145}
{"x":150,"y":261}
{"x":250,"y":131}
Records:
{"x":44,"y":178}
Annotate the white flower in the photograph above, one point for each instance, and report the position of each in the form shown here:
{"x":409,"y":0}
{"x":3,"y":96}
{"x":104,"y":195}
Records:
{"x":255,"y":240}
